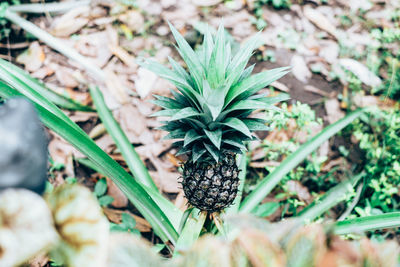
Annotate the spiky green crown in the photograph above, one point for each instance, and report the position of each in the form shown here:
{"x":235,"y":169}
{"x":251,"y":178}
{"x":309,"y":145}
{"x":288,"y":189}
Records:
{"x":216,"y":96}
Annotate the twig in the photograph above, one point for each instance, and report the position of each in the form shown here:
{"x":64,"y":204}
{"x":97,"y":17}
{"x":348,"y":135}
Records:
{"x":49,"y":8}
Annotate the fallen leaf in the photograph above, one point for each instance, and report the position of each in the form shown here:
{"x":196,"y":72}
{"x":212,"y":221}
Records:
{"x":124,"y":56}
{"x":120,"y":200}
{"x":363,"y":101}
{"x":316,"y":90}
{"x":319,"y":20}
{"x":65,"y":76}
{"x":134,"y":20}
{"x":32,"y":58}
{"x":333,"y":111}
{"x":43,"y":72}
{"x":115,"y":216}
{"x":131,"y":120}
{"x":145,"y":82}
{"x":300,"y":69}
{"x":280,"y":86}
{"x":70,"y":22}
{"x":115,"y":86}
{"x":167,"y":181}
{"x":206,"y":2}
{"x":361,"y":71}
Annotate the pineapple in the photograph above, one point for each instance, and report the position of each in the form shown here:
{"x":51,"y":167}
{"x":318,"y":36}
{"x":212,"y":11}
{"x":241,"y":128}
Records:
{"x":210,"y":113}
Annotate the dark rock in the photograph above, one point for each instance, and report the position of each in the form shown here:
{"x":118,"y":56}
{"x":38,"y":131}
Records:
{"x":23,"y":147}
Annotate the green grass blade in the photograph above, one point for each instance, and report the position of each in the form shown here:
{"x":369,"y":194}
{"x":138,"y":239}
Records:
{"x":368,"y":223}
{"x":132,"y":158}
{"x":331,"y":198}
{"x":132,"y":189}
{"x":268,"y":183}
{"x":59,"y":100}
{"x":191,"y":231}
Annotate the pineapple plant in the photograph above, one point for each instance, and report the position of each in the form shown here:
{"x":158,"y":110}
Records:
{"x":209,"y":113}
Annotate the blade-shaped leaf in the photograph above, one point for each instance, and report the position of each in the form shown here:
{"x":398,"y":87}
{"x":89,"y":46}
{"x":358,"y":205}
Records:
{"x":208,"y":45}
{"x":331,"y":198}
{"x":16,"y":83}
{"x":165,"y":113}
{"x":256,"y":124}
{"x":248,"y":104}
{"x":191,"y":231}
{"x":214,"y":100}
{"x":197,"y":152}
{"x":166,"y":102}
{"x":275,"y":99}
{"x":215,"y":137}
{"x":167,"y":74}
{"x":180,"y":70}
{"x":246,"y":73}
{"x":59,"y":100}
{"x":238,"y":125}
{"x":235,"y":143}
{"x":176,"y":134}
{"x":132,"y":159}
{"x":213,"y":151}
{"x":368,"y":223}
{"x":239,"y":61}
{"x":185,"y":113}
{"x":191,"y":136}
{"x":267,"y":184}
{"x":255,"y":83}
{"x":189,"y":56}
{"x":216,"y":68}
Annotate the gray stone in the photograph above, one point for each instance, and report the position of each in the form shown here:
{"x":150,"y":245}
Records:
{"x":23,"y":146}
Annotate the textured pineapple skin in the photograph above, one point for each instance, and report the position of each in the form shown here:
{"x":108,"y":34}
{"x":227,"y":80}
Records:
{"x":211,"y":186}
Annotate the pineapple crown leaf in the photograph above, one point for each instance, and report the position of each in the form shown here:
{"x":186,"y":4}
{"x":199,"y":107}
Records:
{"x":214,"y":97}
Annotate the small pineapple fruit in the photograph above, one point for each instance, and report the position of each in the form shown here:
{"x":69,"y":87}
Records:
{"x":210,"y":113}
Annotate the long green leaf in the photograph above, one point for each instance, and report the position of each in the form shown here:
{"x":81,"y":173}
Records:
{"x":13,"y":81}
{"x":215,"y":137}
{"x":59,"y":100}
{"x":238,"y":125}
{"x":268,"y":183}
{"x":331,"y":198}
{"x":132,"y":158}
{"x":190,"y":232}
{"x":368,"y":223}
{"x":132,"y":189}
